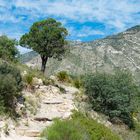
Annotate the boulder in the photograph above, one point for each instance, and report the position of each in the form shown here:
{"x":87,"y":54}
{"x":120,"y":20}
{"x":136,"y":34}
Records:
{"x":68,"y":89}
{"x":24,"y":73}
{"x":52,"y":77}
{"x":37,"y":81}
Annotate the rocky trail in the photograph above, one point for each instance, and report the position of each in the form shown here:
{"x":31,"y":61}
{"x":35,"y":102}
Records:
{"x":52,"y":104}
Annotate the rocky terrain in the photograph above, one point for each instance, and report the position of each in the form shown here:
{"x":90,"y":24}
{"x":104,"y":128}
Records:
{"x":43,"y":105}
{"x":117,"y":51}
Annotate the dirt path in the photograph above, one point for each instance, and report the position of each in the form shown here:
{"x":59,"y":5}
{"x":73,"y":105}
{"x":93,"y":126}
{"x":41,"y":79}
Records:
{"x":53,"y":104}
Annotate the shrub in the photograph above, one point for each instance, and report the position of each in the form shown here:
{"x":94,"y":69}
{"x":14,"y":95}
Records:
{"x":65,"y":130}
{"x":78,"y":81}
{"x":80,"y":127}
{"x":95,"y":130}
{"x":8,"y":94}
{"x":28,"y":78}
{"x":10,"y":86}
{"x":63,"y":76}
{"x":48,"y":81}
{"x":6,"y":68}
{"x":112,"y":94}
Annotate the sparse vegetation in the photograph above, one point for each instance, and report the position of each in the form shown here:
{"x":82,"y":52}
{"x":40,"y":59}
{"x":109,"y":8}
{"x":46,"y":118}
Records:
{"x":28,"y":79}
{"x":48,"y":82}
{"x":77,"y":81}
{"x":63,"y":76}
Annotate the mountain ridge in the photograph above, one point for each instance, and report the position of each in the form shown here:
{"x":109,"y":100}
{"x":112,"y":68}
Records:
{"x":116,"y":51}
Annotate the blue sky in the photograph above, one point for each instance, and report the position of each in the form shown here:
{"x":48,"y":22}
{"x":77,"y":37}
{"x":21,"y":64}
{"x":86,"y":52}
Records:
{"x":86,"y":20}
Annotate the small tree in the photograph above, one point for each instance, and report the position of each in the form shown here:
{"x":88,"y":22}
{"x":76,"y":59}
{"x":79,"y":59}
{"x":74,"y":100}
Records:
{"x":8,"y":51}
{"x":47,"y":37}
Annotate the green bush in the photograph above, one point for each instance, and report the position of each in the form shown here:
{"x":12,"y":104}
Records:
{"x":95,"y":130}
{"x":65,"y":130}
{"x":63,"y":76}
{"x":6,"y":68}
{"x":78,"y":81}
{"x":112,"y":94}
{"x":48,"y":81}
{"x":28,"y":78}
{"x":80,"y":127}
{"x":8,"y":50}
{"x":10,"y":86}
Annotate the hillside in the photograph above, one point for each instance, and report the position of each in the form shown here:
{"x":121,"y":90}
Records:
{"x":36,"y":101}
{"x":117,"y":51}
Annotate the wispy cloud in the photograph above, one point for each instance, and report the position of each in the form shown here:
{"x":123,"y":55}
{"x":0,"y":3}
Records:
{"x":113,"y":15}
{"x":116,"y":13}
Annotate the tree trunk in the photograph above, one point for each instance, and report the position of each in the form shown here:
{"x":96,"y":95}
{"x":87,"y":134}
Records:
{"x":44,"y":61}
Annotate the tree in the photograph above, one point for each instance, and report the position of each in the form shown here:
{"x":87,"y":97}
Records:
{"x":8,"y":51}
{"x":47,"y":37}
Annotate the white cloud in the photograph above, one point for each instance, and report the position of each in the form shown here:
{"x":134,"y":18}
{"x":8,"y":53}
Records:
{"x":116,"y":13}
{"x":88,"y":31}
{"x":83,"y":32}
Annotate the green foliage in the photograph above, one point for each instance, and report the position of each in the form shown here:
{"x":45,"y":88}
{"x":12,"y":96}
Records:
{"x":63,"y":76}
{"x":10,"y":85}
{"x":137,"y":129}
{"x":95,"y":130}
{"x":46,"y":37}
{"x":112,"y":94}
{"x":65,"y":130}
{"x":6,"y":68}
{"x":77,"y":81}
{"x":48,"y":82}
{"x":28,"y":78}
{"x":8,"y":51}
{"x":80,"y":127}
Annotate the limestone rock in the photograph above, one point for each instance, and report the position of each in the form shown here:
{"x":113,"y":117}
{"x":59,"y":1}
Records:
{"x":37,"y":81}
{"x":52,"y":77}
{"x":69,"y":89}
{"x":24,"y":73}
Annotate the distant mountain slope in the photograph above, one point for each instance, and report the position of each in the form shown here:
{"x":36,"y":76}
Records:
{"x":27,"y":56}
{"x":116,"y":51}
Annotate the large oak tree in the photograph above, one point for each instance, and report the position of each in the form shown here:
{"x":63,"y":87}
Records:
{"x":48,"y":38}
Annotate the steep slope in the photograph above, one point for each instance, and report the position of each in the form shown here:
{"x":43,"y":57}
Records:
{"x":116,"y":51}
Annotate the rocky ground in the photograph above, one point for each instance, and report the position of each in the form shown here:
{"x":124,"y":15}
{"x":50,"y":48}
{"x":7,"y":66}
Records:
{"x":49,"y":103}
